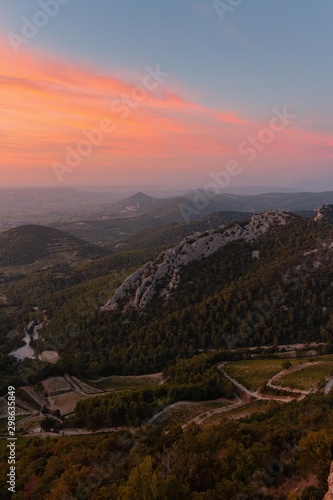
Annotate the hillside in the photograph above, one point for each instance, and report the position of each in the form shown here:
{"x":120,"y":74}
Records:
{"x":325,"y":213}
{"x":137,"y":202}
{"x":162,"y":275}
{"x":245,"y":292}
{"x":27,"y":244}
{"x":172,"y":233}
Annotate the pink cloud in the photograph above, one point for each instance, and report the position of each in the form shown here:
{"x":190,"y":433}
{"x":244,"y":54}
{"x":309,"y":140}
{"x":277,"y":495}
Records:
{"x":47,"y":104}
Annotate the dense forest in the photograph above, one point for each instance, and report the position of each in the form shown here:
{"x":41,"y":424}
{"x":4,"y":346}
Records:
{"x":265,"y":456}
{"x":225,"y":300}
{"x":192,"y":380}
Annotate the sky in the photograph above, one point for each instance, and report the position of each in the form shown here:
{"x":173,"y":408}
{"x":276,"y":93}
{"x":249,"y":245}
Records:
{"x":166,"y":92}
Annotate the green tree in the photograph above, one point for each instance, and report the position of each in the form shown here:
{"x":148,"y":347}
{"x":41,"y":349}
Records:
{"x":48,"y":424}
{"x":143,"y":483}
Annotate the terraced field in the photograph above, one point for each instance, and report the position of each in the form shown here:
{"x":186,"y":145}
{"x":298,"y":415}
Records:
{"x":259,"y":406}
{"x":21,"y":408}
{"x":130,"y":382}
{"x":309,"y":378}
{"x":56,"y":385}
{"x":3,"y":408}
{"x":26,"y":398}
{"x":80,"y":386}
{"x":180,"y":413}
{"x":66,"y":402}
{"x":254,"y":373}
{"x":67,"y":383}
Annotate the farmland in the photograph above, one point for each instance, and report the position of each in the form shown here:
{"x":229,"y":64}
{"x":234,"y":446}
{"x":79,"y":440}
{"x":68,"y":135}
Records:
{"x":180,"y":413}
{"x":308,"y":378}
{"x":243,"y":411}
{"x":56,"y":385}
{"x":253,"y":374}
{"x":130,"y":382}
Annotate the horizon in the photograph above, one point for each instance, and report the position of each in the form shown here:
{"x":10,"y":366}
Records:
{"x":146,"y":188}
{"x":123,"y":192}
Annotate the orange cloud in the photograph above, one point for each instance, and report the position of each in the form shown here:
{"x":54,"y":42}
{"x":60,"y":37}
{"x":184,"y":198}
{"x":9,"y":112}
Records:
{"x":48,"y":105}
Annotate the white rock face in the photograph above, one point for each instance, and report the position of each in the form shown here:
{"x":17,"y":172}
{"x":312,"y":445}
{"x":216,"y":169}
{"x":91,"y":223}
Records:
{"x":325,"y":213}
{"x":329,"y":494}
{"x":141,"y":286}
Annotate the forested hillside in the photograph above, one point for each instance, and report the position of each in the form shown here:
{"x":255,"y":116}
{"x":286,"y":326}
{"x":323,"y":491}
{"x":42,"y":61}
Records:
{"x":283,"y":453}
{"x":27,"y":244}
{"x":229,"y":299}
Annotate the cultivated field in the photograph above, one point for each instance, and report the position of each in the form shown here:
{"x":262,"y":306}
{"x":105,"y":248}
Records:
{"x":243,"y":411}
{"x":180,"y":413}
{"x":308,"y":378}
{"x":65,"y":402}
{"x":131,"y":382}
{"x":21,"y":408}
{"x":254,"y":373}
{"x":56,"y":385}
{"x":80,"y":386}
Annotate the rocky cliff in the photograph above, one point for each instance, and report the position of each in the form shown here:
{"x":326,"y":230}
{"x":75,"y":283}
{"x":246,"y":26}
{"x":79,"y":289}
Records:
{"x":325,"y":213}
{"x":329,"y":494}
{"x":160,"y":277}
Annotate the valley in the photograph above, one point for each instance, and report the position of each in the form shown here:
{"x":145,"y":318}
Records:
{"x":169,"y":337}
{"x":251,"y":382}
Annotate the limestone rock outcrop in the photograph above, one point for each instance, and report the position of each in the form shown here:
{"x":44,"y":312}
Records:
{"x":160,"y":277}
{"x":329,"y":494}
{"x":325,"y":213}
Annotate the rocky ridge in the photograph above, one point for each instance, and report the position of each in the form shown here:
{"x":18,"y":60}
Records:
{"x":161,"y":276}
{"x":325,"y":213}
{"x":329,"y":494}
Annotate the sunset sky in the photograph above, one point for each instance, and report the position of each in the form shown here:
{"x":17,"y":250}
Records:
{"x":165,"y":92}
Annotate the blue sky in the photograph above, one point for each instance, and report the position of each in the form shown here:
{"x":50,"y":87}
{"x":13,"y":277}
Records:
{"x":265,"y":54}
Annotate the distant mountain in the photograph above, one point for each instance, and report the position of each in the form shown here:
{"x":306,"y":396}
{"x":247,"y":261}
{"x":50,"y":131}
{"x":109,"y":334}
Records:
{"x":264,"y":201}
{"x":135,"y":203}
{"x":288,"y":201}
{"x":27,"y":244}
{"x":61,"y":206}
{"x":172,"y":209}
{"x":254,"y":190}
{"x":314,"y":184}
{"x":196,"y":204}
{"x":136,"y":220}
{"x":173,"y":232}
